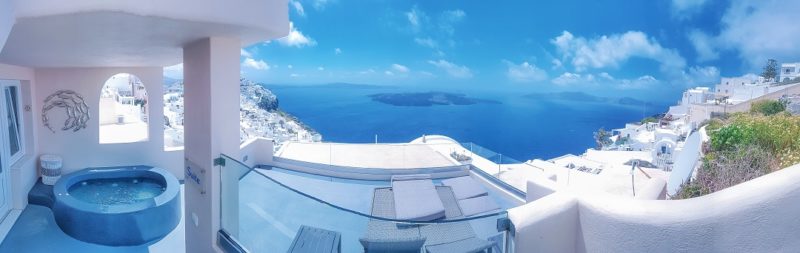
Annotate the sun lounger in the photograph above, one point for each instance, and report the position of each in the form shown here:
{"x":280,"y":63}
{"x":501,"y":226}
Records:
{"x":477,"y":205}
{"x":465,"y":187}
{"x":386,"y":236}
{"x":416,"y":199}
{"x":316,"y":240}
{"x":453,"y":237}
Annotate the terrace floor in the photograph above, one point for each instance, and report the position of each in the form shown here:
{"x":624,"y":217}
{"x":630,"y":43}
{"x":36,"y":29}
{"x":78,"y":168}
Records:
{"x":36,"y":231}
{"x":270,"y":215}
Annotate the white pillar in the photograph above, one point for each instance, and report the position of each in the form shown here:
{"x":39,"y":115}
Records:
{"x":211,"y":97}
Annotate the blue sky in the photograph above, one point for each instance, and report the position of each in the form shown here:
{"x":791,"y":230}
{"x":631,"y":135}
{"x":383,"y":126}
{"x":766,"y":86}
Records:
{"x":612,"y":46}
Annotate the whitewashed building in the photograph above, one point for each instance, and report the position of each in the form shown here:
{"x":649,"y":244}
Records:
{"x":789,"y":72}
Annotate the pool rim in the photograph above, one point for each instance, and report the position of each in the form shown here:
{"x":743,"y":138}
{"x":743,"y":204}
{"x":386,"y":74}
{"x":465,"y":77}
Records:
{"x":61,"y":188}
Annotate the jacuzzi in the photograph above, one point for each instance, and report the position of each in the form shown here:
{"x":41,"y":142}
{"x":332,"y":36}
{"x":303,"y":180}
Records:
{"x":118,"y":206}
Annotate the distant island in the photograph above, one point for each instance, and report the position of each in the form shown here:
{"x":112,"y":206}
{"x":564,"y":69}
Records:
{"x":427,"y":99}
{"x":583,"y":97}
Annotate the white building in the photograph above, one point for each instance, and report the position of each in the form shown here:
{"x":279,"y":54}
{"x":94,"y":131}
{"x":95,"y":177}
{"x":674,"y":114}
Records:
{"x":789,"y":72}
{"x":698,"y":95}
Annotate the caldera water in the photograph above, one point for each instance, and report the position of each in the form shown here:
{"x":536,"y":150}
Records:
{"x":519,"y":127}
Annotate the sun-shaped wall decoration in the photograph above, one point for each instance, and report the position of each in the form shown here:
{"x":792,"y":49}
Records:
{"x":74,"y":105}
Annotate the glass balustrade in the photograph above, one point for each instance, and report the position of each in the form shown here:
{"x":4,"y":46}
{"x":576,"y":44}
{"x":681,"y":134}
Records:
{"x":270,"y":209}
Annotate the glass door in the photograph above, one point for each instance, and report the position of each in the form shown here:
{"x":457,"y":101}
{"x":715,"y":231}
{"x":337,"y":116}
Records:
{"x":11,"y":149}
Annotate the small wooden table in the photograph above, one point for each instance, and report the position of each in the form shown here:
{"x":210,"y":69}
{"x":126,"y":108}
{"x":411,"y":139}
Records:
{"x":316,"y":240}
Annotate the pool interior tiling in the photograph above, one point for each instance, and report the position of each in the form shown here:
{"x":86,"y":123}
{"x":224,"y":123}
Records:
{"x":36,"y":231}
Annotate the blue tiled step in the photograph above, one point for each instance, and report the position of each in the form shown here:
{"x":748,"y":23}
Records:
{"x":41,"y":194}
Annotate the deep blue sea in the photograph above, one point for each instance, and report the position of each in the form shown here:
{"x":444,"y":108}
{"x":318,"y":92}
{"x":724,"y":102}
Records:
{"x":521,"y":128}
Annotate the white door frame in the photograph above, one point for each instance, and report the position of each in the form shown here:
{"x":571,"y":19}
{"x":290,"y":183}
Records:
{"x":5,"y":156}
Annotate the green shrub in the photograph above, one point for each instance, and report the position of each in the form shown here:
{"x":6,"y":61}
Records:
{"x":780,"y":134}
{"x":767,"y":107}
{"x":714,"y":124}
{"x":724,"y":169}
{"x":649,"y":120}
{"x":743,"y":147}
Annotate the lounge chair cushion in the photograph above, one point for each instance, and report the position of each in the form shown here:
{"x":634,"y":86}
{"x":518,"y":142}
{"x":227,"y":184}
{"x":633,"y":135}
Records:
{"x":417,"y":200}
{"x":477,"y":205}
{"x":465,"y":187}
{"x":469,"y":245}
{"x":409,"y":245}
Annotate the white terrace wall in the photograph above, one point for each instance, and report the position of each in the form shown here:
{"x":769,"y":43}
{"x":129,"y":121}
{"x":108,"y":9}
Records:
{"x":761,"y":215}
{"x":82,"y":149}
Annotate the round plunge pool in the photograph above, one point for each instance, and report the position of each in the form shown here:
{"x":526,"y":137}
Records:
{"x":119,"y":206}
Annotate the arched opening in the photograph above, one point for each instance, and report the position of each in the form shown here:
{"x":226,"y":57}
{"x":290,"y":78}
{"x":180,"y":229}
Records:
{"x":173,"y":115}
{"x":123,"y":110}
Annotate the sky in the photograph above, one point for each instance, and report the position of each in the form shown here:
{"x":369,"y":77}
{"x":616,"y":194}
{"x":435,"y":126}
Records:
{"x":627,"y":47}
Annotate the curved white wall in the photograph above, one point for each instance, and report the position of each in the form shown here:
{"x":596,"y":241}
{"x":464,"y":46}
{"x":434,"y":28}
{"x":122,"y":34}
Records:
{"x":685,"y":162}
{"x":761,"y":215}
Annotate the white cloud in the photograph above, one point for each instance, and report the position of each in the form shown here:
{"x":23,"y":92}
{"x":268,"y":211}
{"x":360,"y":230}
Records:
{"x":703,"y":45}
{"x":366,"y":72}
{"x":388,"y":73}
{"x":696,"y":75}
{"x":612,"y":50}
{"x":606,"y":76}
{"x":174,"y":71}
{"x":557,"y":64}
{"x":450,"y":18}
{"x":638,"y":83}
{"x":294,"y":75}
{"x":685,"y":8}
{"x":337,"y":51}
{"x":525,"y":72}
{"x":255,"y":64}
{"x":452,"y":69}
{"x":415,"y":17}
{"x":296,"y":38}
{"x":298,"y":7}
{"x":244,"y":53}
{"x":320,"y":68}
{"x":399,"y":68}
{"x":568,"y":78}
{"x":454,"y":15}
{"x":760,"y":30}
{"x":320,"y":4}
{"x":290,"y":66}
{"x":426,"y":42}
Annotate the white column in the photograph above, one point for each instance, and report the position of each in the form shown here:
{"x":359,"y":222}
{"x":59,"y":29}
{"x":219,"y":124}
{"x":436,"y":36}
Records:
{"x":211,"y":97}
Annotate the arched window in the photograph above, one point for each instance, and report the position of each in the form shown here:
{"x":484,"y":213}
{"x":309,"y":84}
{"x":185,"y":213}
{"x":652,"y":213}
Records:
{"x":123,"y":110}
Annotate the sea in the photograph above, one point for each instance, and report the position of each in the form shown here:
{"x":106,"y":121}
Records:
{"x":518,"y":127}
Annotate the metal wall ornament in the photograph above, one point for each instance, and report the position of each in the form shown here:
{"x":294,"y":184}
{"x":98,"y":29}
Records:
{"x":74,"y":105}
